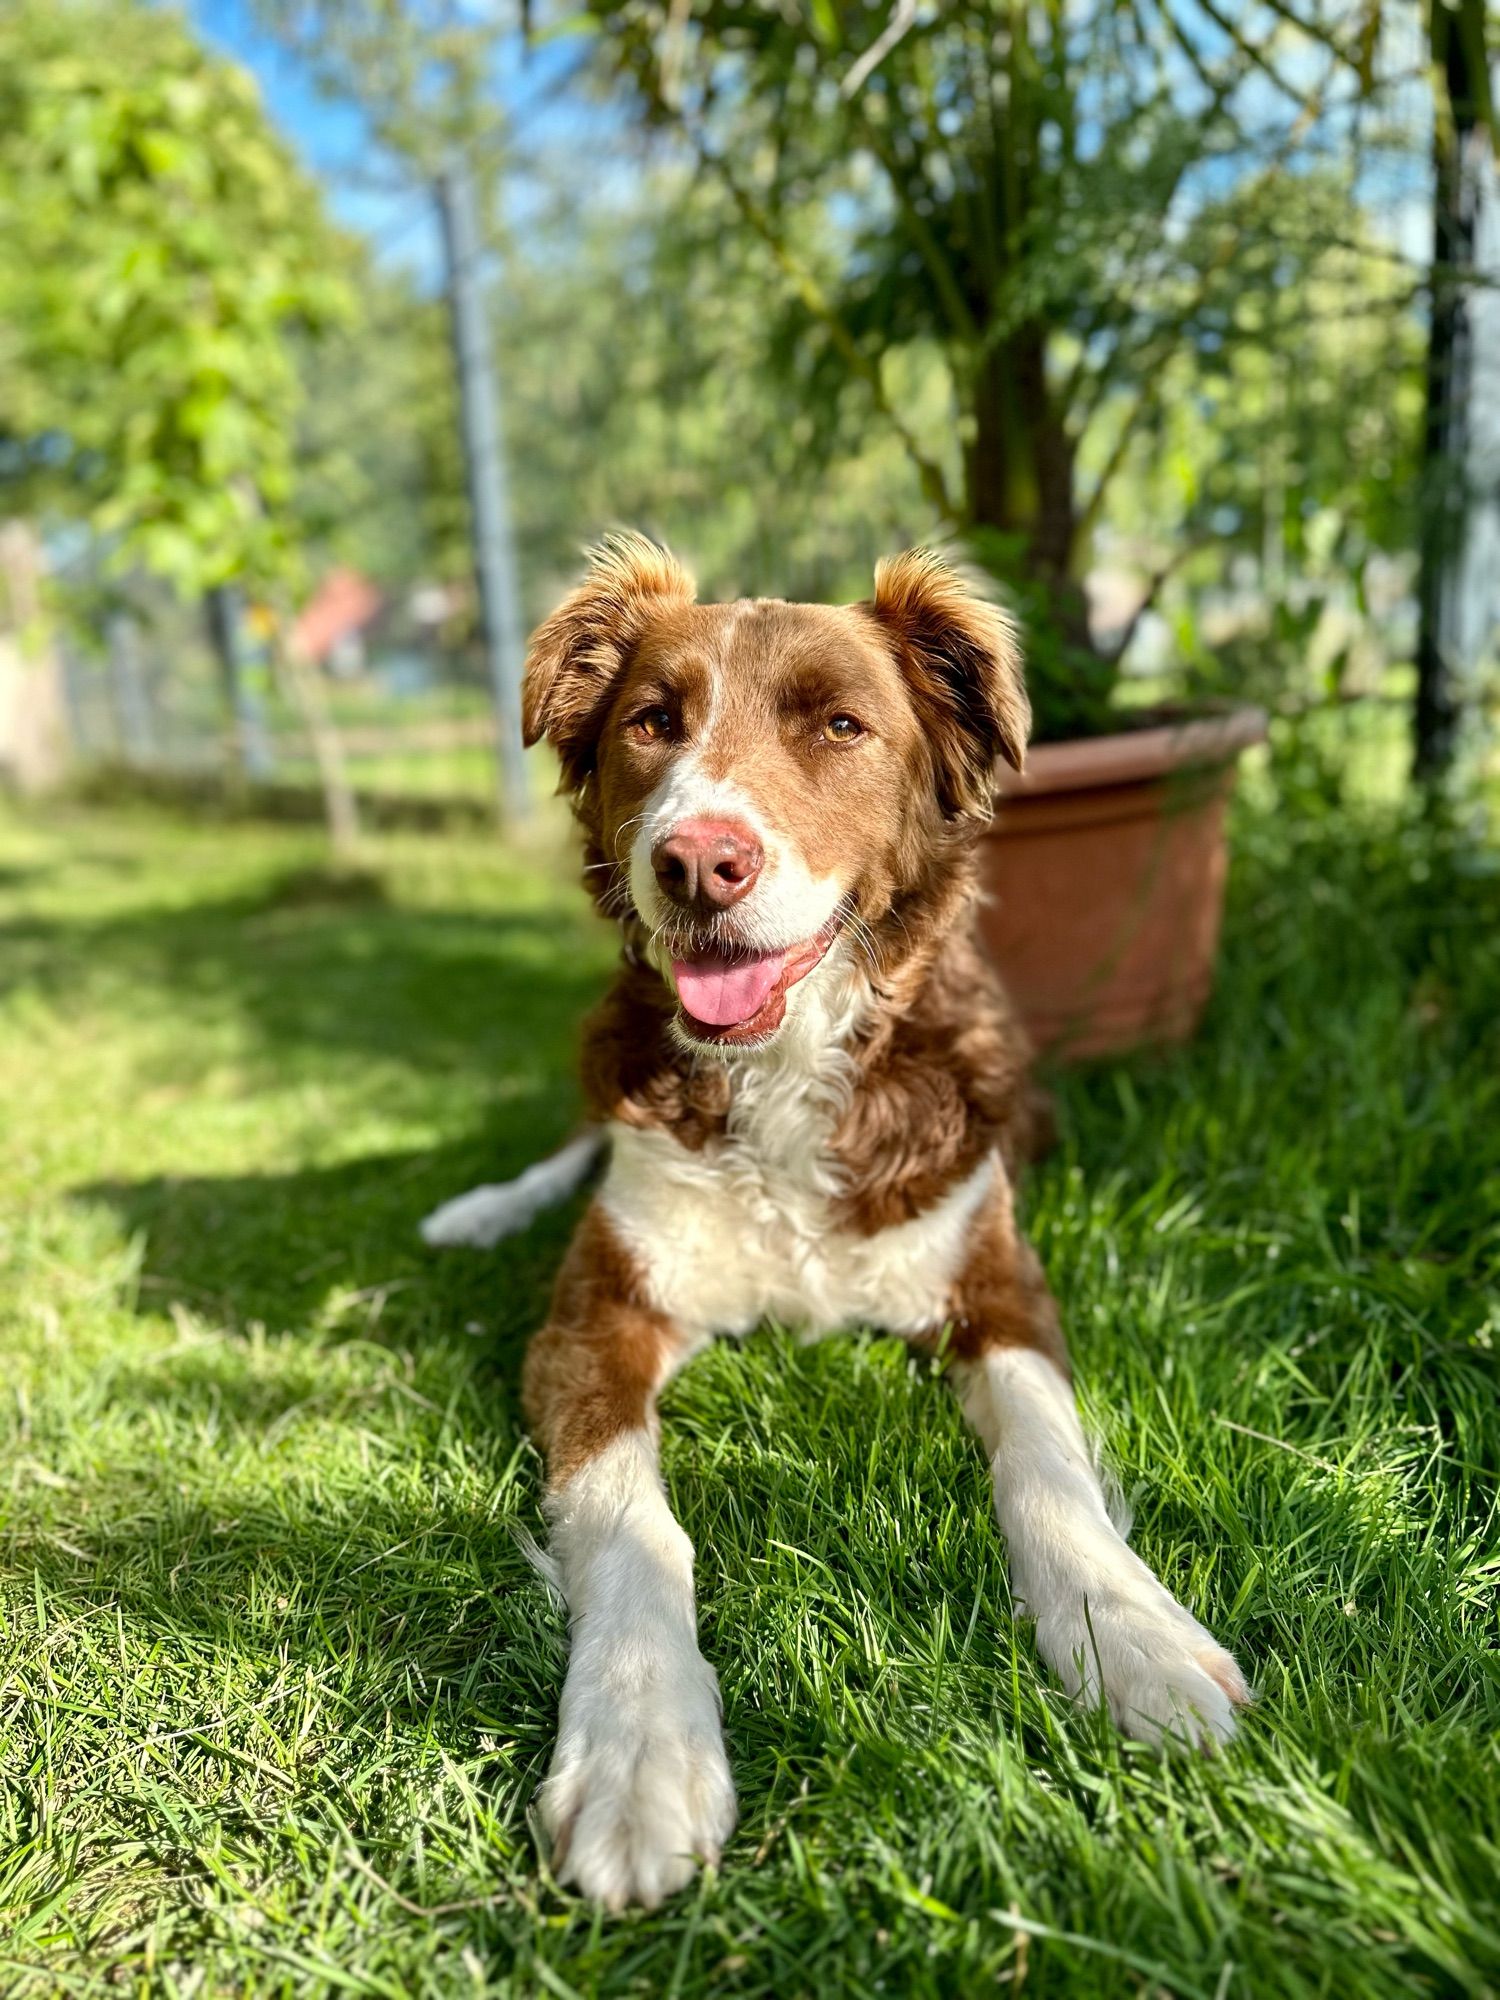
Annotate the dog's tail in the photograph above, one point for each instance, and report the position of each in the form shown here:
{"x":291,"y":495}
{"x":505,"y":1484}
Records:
{"x":482,"y":1217}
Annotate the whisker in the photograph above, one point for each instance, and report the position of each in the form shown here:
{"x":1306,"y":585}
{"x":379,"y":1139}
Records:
{"x":864,"y":937}
{"x":621,"y":831}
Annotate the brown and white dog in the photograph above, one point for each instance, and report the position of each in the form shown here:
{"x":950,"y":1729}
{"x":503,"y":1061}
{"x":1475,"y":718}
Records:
{"x":816,"y":1103}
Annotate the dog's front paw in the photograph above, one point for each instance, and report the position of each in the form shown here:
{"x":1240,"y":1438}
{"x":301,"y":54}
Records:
{"x":1163,"y":1676}
{"x":639,"y":1791}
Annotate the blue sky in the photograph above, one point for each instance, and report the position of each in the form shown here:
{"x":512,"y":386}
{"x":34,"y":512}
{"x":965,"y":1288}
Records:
{"x":331,"y":138}
{"x":334,"y":141}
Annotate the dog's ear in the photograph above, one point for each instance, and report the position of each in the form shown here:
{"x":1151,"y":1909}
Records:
{"x":962,"y":662}
{"x":577,"y":654}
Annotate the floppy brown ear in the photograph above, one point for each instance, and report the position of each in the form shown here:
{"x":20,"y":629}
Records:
{"x":576,"y":655}
{"x":963,"y":663}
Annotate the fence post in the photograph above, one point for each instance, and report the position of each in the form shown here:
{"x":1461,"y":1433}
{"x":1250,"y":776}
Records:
{"x":251,"y":744}
{"x":489,"y":495}
{"x":131,"y":696}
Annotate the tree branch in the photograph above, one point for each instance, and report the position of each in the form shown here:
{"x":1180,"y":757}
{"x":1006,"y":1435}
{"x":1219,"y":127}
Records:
{"x":1088,"y":514}
{"x":1258,"y":58}
{"x":949,"y":289}
{"x":1155,"y":583}
{"x":903,"y":17}
{"x":807,"y":286}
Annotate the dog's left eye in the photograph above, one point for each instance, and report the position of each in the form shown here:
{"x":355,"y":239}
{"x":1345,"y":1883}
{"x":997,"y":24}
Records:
{"x":842,"y":729}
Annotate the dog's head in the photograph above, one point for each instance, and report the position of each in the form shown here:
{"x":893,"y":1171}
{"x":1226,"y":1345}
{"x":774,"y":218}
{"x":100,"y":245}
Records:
{"x":756,"y":777}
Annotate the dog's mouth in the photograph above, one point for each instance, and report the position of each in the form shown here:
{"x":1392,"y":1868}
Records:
{"x":728,"y":996}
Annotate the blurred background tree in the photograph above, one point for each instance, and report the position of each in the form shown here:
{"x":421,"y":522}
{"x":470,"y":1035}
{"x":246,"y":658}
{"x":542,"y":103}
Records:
{"x":158,"y":248}
{"x":381,"y":481}
{"x":1083,"y":215}
{"x":1133,"y":299}
{"x":160,"y":252}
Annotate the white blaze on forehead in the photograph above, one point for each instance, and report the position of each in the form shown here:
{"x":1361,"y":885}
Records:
{"x":716,"y":685}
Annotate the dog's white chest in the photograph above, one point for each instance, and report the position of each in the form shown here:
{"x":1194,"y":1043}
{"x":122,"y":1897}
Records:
{"x":742,"y":1231}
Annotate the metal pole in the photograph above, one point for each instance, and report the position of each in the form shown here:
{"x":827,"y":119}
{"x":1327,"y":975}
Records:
{"x":489,"y":493}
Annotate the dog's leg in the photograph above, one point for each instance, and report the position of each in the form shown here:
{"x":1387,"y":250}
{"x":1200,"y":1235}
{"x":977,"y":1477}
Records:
{"x":479,"y":1219}
{"x":1103,"y":1622}
{"x":639,"y":1789}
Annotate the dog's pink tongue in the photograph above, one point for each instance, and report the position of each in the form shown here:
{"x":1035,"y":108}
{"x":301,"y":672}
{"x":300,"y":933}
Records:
{"x":722,"y":992}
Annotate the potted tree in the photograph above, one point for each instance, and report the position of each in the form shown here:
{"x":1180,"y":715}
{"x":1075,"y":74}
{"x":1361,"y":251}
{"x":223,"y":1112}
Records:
{"x":1078,"y":218}
{"x":1106,"y":866}
{"x":1106,"y":861}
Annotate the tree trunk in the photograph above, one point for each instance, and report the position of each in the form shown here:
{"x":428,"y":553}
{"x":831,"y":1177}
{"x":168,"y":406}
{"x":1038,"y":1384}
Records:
{"x":33,"y":703}
{"x":495,"y":570}
{"x":1019,"y":475}
{"x":1460,"y":518}
{"x":340,"y":807}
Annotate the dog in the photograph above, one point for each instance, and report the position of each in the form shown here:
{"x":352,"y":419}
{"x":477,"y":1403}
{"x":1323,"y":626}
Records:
{"x":816,"y":1103}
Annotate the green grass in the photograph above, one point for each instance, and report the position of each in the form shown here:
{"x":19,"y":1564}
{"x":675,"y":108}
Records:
{"x":466,"y":773}
{"x":277,"y":1684}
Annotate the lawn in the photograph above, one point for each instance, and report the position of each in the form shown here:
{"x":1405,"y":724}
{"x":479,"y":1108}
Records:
{"x":278,"y":1681}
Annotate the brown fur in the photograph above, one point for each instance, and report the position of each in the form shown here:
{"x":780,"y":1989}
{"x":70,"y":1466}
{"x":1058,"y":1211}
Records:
{"x":942,"y":1082}
{"x":961,"y":655}
{"x":929,"y":667}
{"x":635,"y":1073}
{"x":594,"y":1369}
{"x":575,"y":655}
{"x":1001,"y":1298}
{"x":933,"y":672}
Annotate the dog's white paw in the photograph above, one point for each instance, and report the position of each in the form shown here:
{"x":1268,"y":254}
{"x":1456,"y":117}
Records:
{"x":1163,"y":1676}
{"x":639,"y":1791}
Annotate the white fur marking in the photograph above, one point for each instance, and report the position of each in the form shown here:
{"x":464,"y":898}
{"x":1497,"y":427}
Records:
{"x":1104,"y":1623}
{"x":715,"y":701}
{"x":479,"y":1219}
{"x":788,"y":904}
{"x":743,"y":1231}
{"x":639,"y":1789}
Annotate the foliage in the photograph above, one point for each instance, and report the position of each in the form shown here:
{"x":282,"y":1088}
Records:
{"x":421,"y":71}
{"x":158,"y":249}
{"x":629,"y":344}
{"x":280,"y":1682}
{"x":381,"y":481}
{"x":1073,"y":206}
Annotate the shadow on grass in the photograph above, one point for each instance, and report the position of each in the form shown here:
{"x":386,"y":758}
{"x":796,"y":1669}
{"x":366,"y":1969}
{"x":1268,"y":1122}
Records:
{"x":336,"y":1248}
{"x":317,"y":963}
{"x":415,"y":1589}
{"x":316,"y":974}
{"x":411,"y":1597}
{"x":22,"y":874}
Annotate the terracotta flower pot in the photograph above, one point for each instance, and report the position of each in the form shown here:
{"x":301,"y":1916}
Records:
{"x":1105,"y":872}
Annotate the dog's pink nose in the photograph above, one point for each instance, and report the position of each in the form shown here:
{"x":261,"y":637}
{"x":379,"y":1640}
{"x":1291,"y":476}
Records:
{"x":706,"y":864}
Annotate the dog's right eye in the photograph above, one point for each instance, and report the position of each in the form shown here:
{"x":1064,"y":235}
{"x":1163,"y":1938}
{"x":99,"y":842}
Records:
{"x":652,"y":724}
